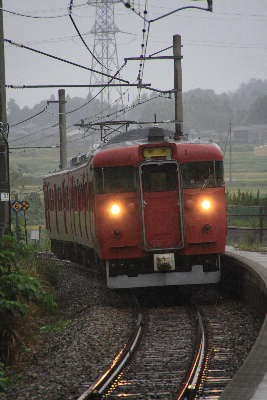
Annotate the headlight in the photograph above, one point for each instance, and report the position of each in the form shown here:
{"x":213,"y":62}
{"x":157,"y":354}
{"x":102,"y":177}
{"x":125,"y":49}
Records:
{"x":115,"y":209}
{"x":206,"y":204}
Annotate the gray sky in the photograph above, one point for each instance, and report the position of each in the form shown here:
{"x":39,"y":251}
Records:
{"x":221,"y":49}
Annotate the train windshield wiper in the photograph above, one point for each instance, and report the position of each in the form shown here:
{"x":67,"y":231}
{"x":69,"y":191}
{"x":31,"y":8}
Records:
{"x":207,"y":181}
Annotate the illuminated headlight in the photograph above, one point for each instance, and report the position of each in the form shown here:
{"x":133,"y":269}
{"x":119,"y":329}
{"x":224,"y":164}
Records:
{"x":115,"y":209}
{"x":206,"y":204}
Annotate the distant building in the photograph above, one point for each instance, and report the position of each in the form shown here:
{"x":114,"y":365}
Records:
{"x":256,"y":134}
{"x":260,"y":151}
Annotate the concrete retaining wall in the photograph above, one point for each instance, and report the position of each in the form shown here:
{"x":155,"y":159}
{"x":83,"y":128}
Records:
{"x":248,"y":279}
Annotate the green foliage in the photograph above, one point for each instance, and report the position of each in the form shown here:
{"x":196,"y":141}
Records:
{"x":245,"y":198}
{"x":20,"y":296}
{"x":19,"y":176}
{"x":55,"y":326}
{"x":35,"y":213}
{"x":4,"y":381}
{"x":250,"y":244}
{"x":50,"y":272}
{"x":257,"y":112}
{"x":244,"y":209}
{"x":16,"y":286}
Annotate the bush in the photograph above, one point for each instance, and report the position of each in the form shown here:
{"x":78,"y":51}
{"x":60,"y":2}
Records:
{"x":20,"y":295}
{"x":4,"y":381}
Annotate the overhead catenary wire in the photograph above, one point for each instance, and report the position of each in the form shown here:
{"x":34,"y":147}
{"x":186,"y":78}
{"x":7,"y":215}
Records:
{"x":33,"y":16}
{"x":66,"y":61}
{"x":27,"y":119}
{"x":82,"y":39}
{"x":127,"y":5}
{"x":120,"y":112}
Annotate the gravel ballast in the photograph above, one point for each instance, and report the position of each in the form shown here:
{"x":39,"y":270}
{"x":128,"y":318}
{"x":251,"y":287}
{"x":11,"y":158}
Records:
{"x":68,"y":362}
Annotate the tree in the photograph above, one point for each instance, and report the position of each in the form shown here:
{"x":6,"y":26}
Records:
{"x":19,"y":178}
{"x":13,"y":111}
{"x":257,"y":114}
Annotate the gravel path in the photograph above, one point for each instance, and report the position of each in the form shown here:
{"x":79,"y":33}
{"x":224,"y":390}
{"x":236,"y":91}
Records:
{"x":70,"y":361}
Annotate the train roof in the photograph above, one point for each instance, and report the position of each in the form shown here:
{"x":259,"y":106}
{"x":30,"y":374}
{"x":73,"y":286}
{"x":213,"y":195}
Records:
{"x":187,"y":150}
{"x":132,"y":138}
{"x":139,"y":136}
{"x":136,"y":136}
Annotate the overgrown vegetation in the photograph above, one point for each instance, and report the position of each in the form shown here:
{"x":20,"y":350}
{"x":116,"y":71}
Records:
{"x":249,"y":243}
{"x":25,"y":297}
{"x":245,"y":198}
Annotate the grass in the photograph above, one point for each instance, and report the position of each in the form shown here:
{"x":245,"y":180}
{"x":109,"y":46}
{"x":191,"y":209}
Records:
{"x":43,"y":245}
{"x":254,"y":247}
{"x":55,"y":326}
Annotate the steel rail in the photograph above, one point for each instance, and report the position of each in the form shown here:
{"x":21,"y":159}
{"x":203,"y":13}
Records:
{"x":189,"y":386}
{"x":96,"y":390}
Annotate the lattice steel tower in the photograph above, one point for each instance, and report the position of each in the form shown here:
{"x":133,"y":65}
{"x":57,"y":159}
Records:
{"x":105,"y":50}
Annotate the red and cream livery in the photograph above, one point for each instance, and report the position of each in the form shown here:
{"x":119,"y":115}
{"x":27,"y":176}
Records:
{"x":152,"y":210}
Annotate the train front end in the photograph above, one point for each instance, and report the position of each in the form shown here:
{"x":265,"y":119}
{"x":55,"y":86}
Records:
{"x":155,"y":224}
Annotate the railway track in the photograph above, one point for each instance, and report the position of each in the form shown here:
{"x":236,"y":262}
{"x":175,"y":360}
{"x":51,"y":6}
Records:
{"x":156,"y":363}
{"x":159,"y":354}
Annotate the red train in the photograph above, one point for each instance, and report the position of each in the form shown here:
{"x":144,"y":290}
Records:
{"x":150,"y":208}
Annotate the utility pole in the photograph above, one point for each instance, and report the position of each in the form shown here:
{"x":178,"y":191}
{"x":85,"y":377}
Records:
{"x":4,"y":153}
{"x":230,"y":137}
{"x":62,"y":129}
{"x":178,"y":83}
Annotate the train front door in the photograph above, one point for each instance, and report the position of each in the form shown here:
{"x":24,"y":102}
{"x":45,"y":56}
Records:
{"x":161,"y":203}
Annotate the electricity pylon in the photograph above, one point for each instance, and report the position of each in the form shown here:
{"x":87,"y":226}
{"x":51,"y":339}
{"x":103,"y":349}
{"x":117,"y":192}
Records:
{"x":105,"y":51}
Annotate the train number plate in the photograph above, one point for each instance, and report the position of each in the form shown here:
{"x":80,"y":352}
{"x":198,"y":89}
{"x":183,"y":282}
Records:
{"x":164,"y":262}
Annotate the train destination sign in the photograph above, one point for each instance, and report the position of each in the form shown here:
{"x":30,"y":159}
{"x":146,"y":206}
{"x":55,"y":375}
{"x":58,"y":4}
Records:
{"x":161,"y":151}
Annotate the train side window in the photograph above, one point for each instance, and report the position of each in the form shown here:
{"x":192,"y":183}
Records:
{"x":115,"y":179}
{"x":159,"y":178}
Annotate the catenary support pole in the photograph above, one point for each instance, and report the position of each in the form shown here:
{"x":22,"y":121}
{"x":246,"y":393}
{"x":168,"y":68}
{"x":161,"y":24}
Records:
{"x":4,"y":154}
{"x":178,"y":80}
{"x":62,"y":129}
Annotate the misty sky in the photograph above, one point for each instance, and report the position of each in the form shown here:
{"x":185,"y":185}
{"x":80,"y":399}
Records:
{"x":221,"y":49}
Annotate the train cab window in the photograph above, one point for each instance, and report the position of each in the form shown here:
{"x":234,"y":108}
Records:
{"x":202,"y":174}
{"x":219,"y":178}
{"x":159,"y":177}
{"x":115,"y":179}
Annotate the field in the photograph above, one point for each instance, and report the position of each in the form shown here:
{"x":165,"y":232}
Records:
{"x":249,"y":173}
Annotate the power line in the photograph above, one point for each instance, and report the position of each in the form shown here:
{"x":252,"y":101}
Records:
{"x":75,"y":86}
{"x":11,"y":126}
{"x":35,"y":147}
{"x":32,"y":16}
{"x":61,"y":59}
{"x":127,"y":5}
{"x":33,"y":133}
{"x":122,"y":111}
{"x":77,"y":30}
